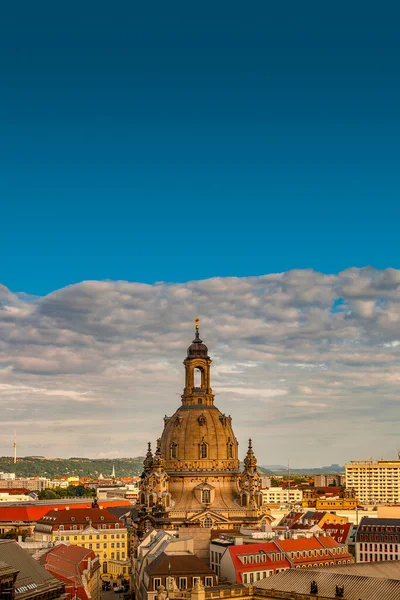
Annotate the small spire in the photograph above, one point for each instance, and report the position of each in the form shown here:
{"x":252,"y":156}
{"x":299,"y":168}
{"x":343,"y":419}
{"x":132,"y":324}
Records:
{"x":197,"y":333}
{"x":250,"y":461}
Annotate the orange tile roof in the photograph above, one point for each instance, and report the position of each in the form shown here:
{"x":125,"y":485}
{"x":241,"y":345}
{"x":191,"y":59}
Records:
{"x":33,"y":512}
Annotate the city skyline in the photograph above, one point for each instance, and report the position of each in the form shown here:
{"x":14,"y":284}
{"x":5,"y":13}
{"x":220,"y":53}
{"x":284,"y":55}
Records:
{"x":306,"y":364}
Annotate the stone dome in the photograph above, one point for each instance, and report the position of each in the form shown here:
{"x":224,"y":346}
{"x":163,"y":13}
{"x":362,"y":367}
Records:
{"x":199,"y":438}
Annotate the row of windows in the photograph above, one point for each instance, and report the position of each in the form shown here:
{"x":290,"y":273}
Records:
{"x":262,"y":557}
{"x":377,"y":557}
{"x":203,"y":450}
{"x":81,"y":527}
{"x":67,"y":538}
{"x":379,"y":547}
{"x":378,"y":538}
{"x":256,"y":576}
{"x":183,"y":582}
{"x":97,"y":537}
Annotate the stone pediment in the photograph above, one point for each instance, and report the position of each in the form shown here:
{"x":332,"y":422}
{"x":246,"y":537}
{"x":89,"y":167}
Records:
{"x":204,"y":486}
{"x":216,"y":517}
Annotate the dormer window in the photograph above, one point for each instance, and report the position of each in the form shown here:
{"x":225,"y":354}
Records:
{"x":101,"y":518}
{"x":87,"y":518}
{"x":72,"y":518}
{"x":205,"y":496}
{"x":61,"y":528}
{"x":116,"y":526}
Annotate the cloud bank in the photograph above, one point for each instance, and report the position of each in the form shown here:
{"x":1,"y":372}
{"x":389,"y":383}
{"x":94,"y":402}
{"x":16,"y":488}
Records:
{"x":307,"y":364}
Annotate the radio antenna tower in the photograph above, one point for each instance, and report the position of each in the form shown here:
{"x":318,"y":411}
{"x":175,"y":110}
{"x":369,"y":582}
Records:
{"x":15,"y":447}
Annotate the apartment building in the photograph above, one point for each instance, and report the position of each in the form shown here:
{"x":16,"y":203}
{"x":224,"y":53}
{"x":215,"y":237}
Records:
{"x":374,"y":481}
{"x":378,"y":540}
{"x":279,"y":495}
{"x":92,"y":528}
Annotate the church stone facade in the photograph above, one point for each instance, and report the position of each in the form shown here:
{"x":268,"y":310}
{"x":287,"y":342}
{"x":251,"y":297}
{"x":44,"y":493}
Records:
{"x":194,"y":477}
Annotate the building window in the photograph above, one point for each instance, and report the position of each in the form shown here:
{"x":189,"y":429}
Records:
{"x":182,"y":583}
{"x":208,"y":581}
{"x":207,"y":523}
{"x":203,"y":450}
{"x":195,"y":580}
{"x":206,"y":496}
{"x":174,"y":450}
{"x":61,"y":528}
{"x":75,"y":537}
{"x":156,"y":582}
{"x":116,"y":525}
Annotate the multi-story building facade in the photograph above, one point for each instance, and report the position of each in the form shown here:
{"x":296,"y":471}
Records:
{"x":33,"y":484}
{"x":249,"y":563}
{"x":322,"y":480}
{"x":374,"y":481}
{"x":279,"y":495}
{"x":378,"y":540}
{"x":93,"y":528}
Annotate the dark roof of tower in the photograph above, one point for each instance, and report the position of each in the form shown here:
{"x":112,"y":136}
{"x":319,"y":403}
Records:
{"x":197,"y":349}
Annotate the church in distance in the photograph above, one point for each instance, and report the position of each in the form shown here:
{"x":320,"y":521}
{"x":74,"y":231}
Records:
{"x":194,"y":477}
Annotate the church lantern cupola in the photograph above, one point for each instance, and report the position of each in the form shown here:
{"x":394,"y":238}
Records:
{"x":197,"y":365}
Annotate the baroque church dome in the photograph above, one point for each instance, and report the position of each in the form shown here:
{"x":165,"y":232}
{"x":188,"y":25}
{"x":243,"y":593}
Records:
{"x":194,"y":476}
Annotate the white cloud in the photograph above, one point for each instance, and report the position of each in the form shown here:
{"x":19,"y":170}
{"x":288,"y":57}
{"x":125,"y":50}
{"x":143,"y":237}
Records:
{"x":109,"y":353}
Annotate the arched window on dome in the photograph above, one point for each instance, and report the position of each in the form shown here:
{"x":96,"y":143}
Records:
{"x":142,"y":498}
{"x":208,"y":523}
{"x":205,"y":496}
{"x":173,"y":451}
{"x":203,"y":450}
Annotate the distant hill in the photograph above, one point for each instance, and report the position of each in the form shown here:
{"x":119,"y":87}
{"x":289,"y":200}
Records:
{"x":31,"y":466}
{"x":281,"y":469}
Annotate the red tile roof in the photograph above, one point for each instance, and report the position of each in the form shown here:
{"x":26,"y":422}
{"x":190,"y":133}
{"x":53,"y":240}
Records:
{"x":338,"y":532}
{"x":251,"y":549}
{"x":67,"y":563}
{"x":78,"y":516}
{"x":33,"y":512}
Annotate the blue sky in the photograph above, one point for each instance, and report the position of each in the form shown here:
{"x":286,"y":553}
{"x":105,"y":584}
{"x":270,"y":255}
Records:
{"x":176,"y":141}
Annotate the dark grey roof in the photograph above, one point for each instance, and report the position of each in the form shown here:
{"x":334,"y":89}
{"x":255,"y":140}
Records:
{"x":31,"y":576}
{"x":119,"y":511}
{"x":356,"y":585}
{"x":178,"y":564}
{"x":389,"y":522}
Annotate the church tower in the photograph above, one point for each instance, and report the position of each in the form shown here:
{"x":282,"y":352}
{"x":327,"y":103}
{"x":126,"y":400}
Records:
{"x":199,"y":481}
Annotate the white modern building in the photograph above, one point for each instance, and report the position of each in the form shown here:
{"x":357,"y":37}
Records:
{"x":374,"y":481}
{"x":278,"y":495}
